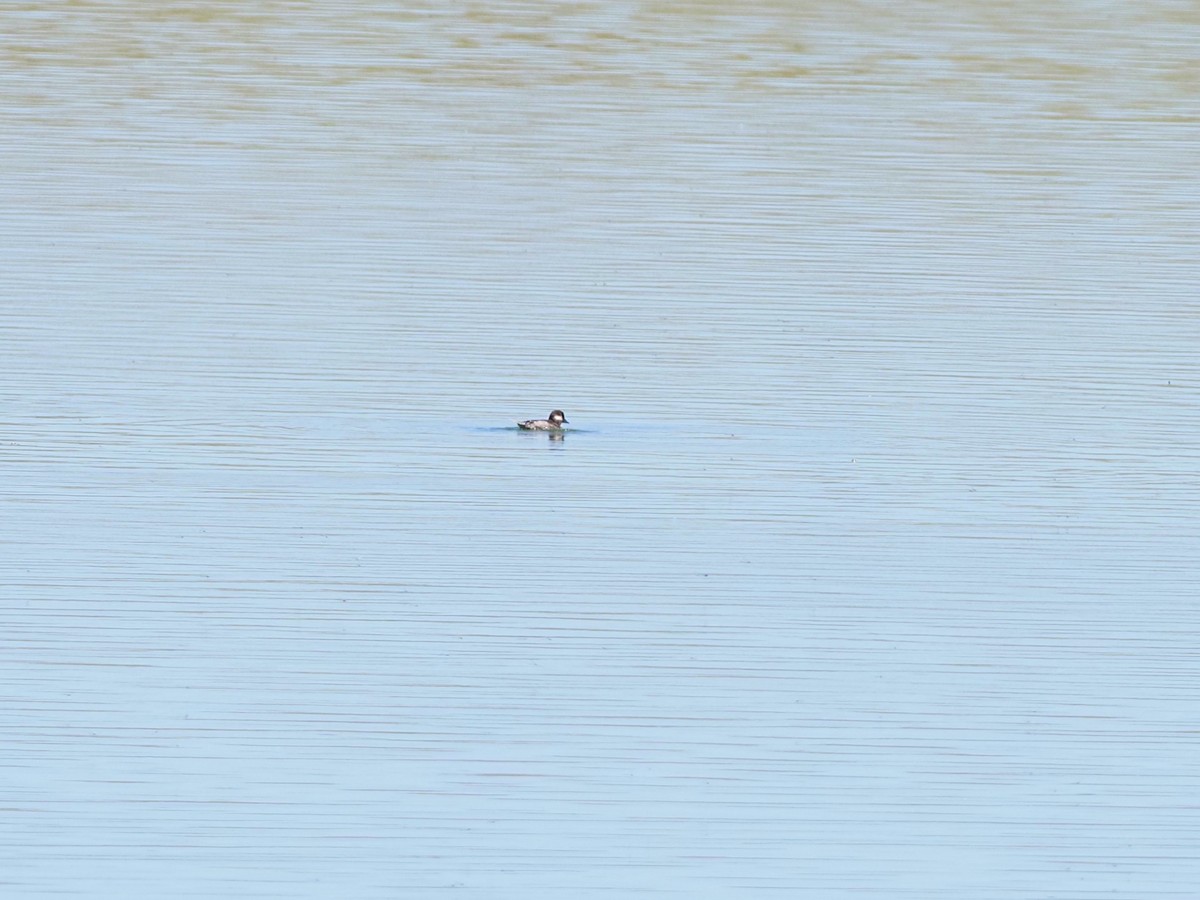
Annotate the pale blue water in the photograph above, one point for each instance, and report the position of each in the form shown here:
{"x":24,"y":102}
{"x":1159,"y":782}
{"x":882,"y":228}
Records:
{"x":867,"y":568}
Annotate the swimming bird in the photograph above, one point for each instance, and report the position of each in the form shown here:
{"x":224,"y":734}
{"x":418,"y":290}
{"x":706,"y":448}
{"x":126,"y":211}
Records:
{"x":554,"y":423}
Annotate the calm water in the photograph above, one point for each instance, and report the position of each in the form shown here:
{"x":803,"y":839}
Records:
{"x":868,"y":567}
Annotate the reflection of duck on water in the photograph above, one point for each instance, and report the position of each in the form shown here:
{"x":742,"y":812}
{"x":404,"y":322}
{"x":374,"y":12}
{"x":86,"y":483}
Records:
{"x":554,"y":423}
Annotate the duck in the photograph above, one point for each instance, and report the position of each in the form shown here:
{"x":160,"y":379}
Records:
{"x":555,"y":422}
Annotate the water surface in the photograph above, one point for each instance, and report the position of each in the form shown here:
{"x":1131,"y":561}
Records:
{"x":867,"y":568}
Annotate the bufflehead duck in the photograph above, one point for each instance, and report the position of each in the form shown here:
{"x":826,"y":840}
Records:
{"x":554,"y":423}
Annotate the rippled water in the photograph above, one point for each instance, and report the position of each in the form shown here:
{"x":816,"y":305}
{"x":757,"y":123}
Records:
{"x":866,"y":569}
